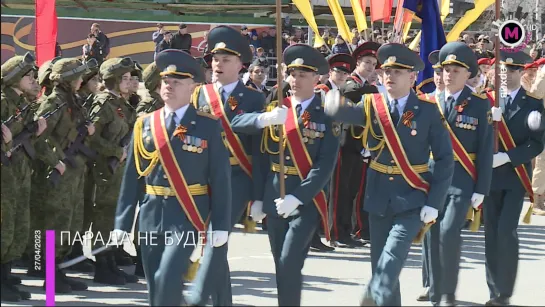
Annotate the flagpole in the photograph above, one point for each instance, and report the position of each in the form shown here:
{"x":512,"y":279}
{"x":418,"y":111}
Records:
{"x":280,"y":94}
{"x":497,"y":74}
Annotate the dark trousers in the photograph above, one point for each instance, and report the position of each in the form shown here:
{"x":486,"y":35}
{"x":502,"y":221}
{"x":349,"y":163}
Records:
{"x":290,"y":243}
{"x":502,"y":210}
{"x":164,"y":265}
{"x":347,"y":186}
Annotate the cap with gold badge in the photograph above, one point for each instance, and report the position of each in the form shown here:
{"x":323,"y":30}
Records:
{"x":304,"y":57}
{"x":460,"y":54}
{"x":433,"y":58}
{"x":179,"y":64}
{"x":226,"y":40}
{"x":515,"y":60}
{"x":399,"y":56}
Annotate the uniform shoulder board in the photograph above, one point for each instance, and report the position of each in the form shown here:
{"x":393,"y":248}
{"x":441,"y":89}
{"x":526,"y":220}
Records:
{"x":532,"y":95}
{"x":479,"y":95}
{"x":250,"y":87}
{"x":207,"y":115}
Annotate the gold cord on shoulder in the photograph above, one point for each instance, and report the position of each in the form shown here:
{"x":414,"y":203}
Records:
{"x":140,"y":151}
{"x":368,"y":100}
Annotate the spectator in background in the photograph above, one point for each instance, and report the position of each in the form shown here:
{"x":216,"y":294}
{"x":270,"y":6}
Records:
{"x":269,"y":42}
{"x":244,"y":32}
{"x":203,"y":45}
{"x":166,"y":43}
{"x":92,"y":49}
{"x":255,"y":41}
{"x":103,"y":40}
{"x":258,"y":72}
{"x":58,"y":50}
{"x":182,"y":40}
{"x":157,"y":37}
{"x":253,"y":50}
{"x":260,"y":53}
{"x":340,"y":46}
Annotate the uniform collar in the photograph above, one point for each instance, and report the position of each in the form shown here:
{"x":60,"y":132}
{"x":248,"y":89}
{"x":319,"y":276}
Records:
{"x":228,"y":88}
{"x":304,"y":104}
{"x":514,"y":93}
{"x":180,"y":112}
{"x":333,"y":85}
{"x":455,"y":95}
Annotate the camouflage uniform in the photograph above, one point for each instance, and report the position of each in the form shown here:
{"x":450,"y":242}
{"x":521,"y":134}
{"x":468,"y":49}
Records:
{"x":62,"y":205}
{"x":15,"y":188}
{"x":152,"y":80}
{"x":113,"y":117}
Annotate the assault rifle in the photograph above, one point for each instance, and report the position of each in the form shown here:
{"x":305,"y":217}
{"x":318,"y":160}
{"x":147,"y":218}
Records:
{"x":23,"y":138}
{"x":8,"y":122}
{"x":113,"y":162}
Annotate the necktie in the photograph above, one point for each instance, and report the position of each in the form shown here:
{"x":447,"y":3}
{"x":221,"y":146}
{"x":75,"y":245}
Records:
{"x":171,"y":120}
{"x":394,"y":112}
{"x":298,"y":109}
{"x":508,"y":105}
{"x":450,"y":104}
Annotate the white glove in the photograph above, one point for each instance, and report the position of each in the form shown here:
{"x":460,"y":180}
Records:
{"x":332,"y":102}
{"x":275,"y":117}
{"x":500,"y":159}
{"x":219,"y":237}
{"x":534,"y":120}
{"x":256,"y":211}
{"x":428,"y":214}
{"x":287,"y":206}
{"x":118,"y":237}
{"x":477,"y":200}
{"x":496,"y":114}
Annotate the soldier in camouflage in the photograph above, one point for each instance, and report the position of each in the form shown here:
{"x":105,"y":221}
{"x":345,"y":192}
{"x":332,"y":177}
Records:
{"x":43,"y":76}
{"x":62,"y":206}
{"x":136,"y":78}
{"x":152,"y":82}
{"x":18,"y":79}
{"x":114,"y":118}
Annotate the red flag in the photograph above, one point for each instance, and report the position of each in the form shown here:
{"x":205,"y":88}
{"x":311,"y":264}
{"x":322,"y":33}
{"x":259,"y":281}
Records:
{"x":381,"y":10}
{"x":46,"y":30}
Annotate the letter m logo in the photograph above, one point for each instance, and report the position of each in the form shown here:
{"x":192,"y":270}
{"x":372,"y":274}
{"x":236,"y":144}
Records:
{"x":508,"y":33}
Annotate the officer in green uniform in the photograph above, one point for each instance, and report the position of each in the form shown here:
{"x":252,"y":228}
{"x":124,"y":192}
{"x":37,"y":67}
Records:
{"x":18,"y":78}
{"x":398,"y":207}
{"x":158,"y":176}
{"x":62,"y":206}
{"x":313,"y":142}
{"x":152,"y":82}
{"x":114,"y":118}
{"x":235,"y":102}
{"x":467,"y":115}
{"x":503,"y":206}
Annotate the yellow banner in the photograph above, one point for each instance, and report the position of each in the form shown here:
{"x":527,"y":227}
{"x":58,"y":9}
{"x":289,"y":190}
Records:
{"x":342,"y":26}
{"x":468,"y":18}
{"x":359,"y":15}
{"x":304,"y":7}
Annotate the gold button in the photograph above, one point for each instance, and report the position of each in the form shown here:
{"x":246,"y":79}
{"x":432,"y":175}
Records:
{"x":389,"y":170}
{"x":165,"y":176}
{"x":285,"y":176}
{"x":391,"y":178}
{"x":393,"y":162}
{"x":288,"y":157}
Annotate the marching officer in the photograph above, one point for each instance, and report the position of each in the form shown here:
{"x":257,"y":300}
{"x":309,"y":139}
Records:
{"x":175,"y":158}
{"x":231,"y":101}
{"x":18,"y":80}
{"x":469,"y":126}
{"x":402,"y":194}
{"x":312,"y":143}
{"x":340,"y":66}
{"x":521,"y":141}
{"x":350,"y":173}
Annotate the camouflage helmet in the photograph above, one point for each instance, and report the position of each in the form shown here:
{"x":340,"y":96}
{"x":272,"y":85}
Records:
{"x":116,"y":67}
{"x":90,"y":72}
{"x":69,"y":69}
{"x":137,"y":71}
{"x":16,"y":68}
{"x":151,"y":77}
{"x":45,"y":70}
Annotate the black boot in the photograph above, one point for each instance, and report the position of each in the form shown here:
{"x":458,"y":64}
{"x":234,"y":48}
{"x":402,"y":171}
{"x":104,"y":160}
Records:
{"x":103,"y":274}
{"x":122,"y":258}
{"x":61,"y":286}
{"x":74,"y":284}
{"x":8,"y":294}
{"x":112,"y":265}
{"x":21,"y":262}
{"x":36,"y":266}
{"x":11,"y":279}
{"x":86,"y":266}
{"x":317,"y":245}
{"x":139,"y":268}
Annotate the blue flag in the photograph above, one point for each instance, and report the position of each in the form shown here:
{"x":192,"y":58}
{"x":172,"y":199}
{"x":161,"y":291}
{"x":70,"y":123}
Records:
{"x":433,"y":38}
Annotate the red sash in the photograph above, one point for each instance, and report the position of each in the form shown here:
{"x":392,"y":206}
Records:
{"x":357,"y":79}
{"x":322,"y":87}
{"x":508,"y":143}
{"x":460,"y":152}
{"x":173,"y":171}
{"x":303,"y":162}
{"x":395,"y":146}
{"x":235,"y":146}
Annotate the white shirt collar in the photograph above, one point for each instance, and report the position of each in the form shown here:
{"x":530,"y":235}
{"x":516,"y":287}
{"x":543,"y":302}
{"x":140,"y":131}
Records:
{"x":333,"y":85}
{"x":362,"y":78}
{"x":513,"y":94}
{"x":179,"y":113}
{"x":455,"y":95}
{"x":304,"y":104}
{"x":471,"y":88}
{"x":228,"y":88}
{"x":401,"y":102}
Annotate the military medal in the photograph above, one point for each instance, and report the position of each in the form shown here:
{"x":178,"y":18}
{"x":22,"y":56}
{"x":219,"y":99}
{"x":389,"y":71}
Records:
{"x":305,"y":139}
{"x":184,"y":147}
{"x":199,"y":150}
{"x":413,"y":127}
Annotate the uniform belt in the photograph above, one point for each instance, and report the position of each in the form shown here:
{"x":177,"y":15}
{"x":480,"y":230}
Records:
{"x":288,"y":170}
{"x":194,"y":189}
{"x":472,"y":156}
{"x":395,"y":170}
{"x":234,"y":161}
